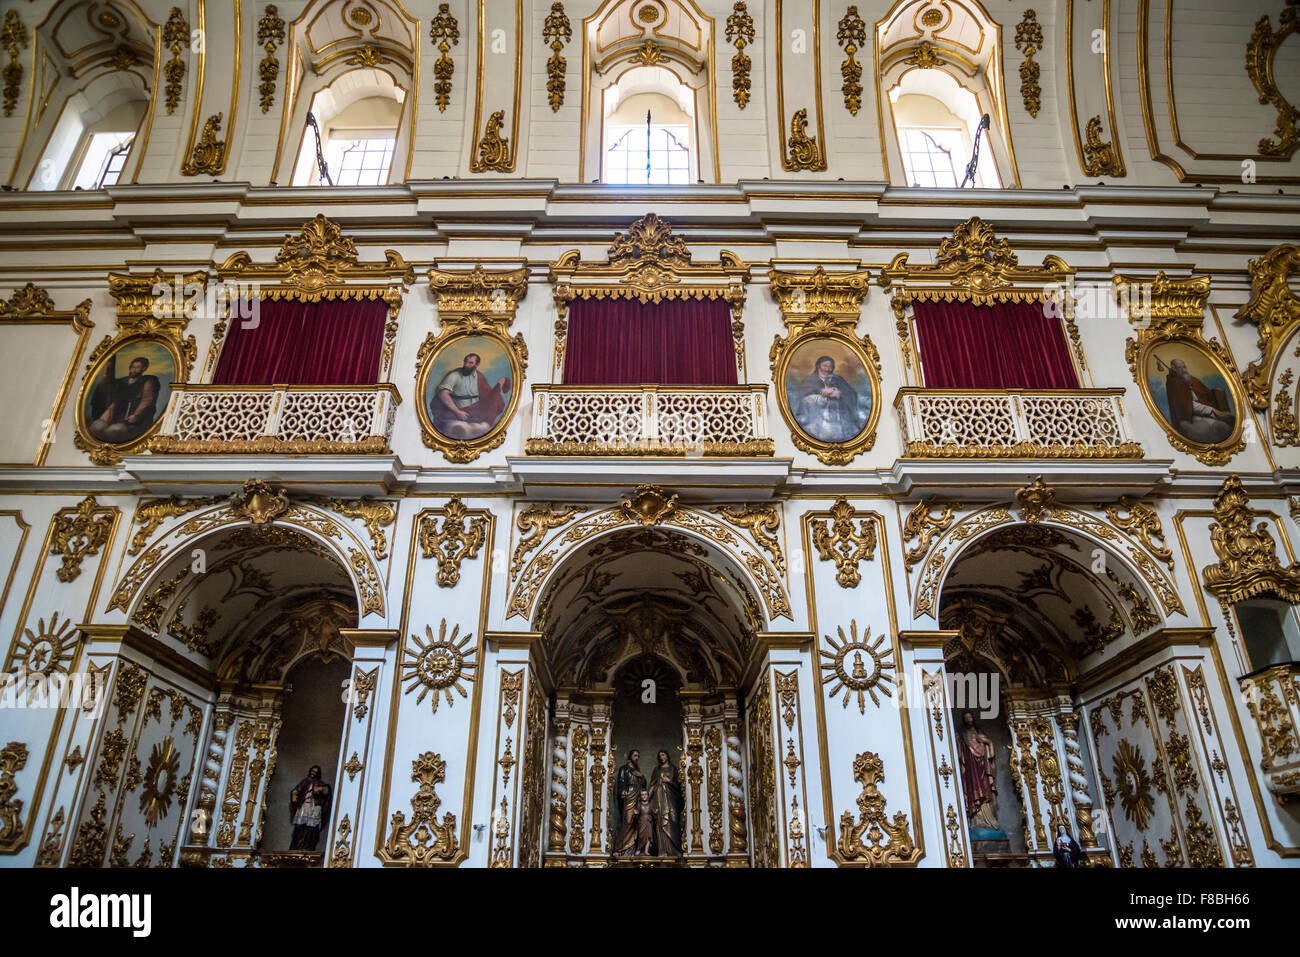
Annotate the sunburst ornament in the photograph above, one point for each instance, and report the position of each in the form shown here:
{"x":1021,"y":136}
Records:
{"x":1134,"y":785}
{"x":858,"y":667}
{"x":440,"y":664}
{"x":48,"y":649}
{"x":159,"y":780}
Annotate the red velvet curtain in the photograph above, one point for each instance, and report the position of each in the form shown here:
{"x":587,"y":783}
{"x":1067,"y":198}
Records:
{"x":1007,"y":345}
{"x":625,"y":342}
{"x":336,"y":342}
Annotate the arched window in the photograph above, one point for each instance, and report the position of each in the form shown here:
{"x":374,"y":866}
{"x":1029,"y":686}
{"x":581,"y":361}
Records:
{"x":936,"y":122}
{"x":648,"y":137}
{"x":352,"y":71}
{"x":358,"y":122}
{"x":940,"y":74}
{"x":648,"y":59}
{"x":90,"y":145}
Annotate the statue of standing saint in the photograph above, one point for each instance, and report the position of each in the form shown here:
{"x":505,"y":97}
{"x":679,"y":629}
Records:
{"x":666,"y":799}
{"x":629,"y":784}
{"x":979,"y":780}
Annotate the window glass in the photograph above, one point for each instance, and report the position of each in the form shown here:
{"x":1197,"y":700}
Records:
{"x":102,"y":164}
{"x":360,"y":162}
{"x":931,"y":157}
{"x":653,"y":156}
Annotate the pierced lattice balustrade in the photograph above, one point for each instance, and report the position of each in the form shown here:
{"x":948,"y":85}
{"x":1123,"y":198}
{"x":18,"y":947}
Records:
{"x":1014,"y":423}
{"x":211,"y":418}
{"x":649,"y":420}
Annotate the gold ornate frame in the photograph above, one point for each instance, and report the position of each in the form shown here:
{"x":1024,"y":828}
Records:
{"x":1177,"y":310}
{"x":648,"y":263}
{"x":141,"y":316}
{"x":1275,"y":310}
{"x":822,"y":305}
{"x":480,"y":303}
{"x":320,"y":264}
{"x":1261,"y":55}
{"x":974,"y":265}
{"x":32,"y":305}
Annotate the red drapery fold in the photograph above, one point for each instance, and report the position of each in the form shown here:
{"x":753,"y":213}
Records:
{"x":625,"y":342}
{"x":336,"y":342}
{"x":1007,"y":345}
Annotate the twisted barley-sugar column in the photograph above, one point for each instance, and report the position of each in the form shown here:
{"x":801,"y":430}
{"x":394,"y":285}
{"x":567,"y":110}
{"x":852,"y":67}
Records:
{"x":1069,"y":724}
{"x":559,"y":787}
{"x":736,"y":789}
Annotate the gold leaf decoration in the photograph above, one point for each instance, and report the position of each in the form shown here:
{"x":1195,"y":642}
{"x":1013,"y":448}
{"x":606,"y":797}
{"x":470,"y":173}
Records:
{"x":270,"y":33}
{"x":740,"y":33}
{"x":176,"y":36}
{"x":1029,"y":40}
{"x":556,"y":31}
{"x":444,"y":31}
{"x":852,"y":35}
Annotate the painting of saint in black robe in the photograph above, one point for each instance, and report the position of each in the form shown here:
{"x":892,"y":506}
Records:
{"x":827,"y":405}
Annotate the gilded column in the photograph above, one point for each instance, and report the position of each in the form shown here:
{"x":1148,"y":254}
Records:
{"x":735,"y":782}
{"x":1069,"y":724}
{"x":599,"y":729}
{"x":1049,"y":770}
{"x":578,"y":795}
{"x":694,"y":773}
{"x":559,"y":786}
{"x":713,"y":748}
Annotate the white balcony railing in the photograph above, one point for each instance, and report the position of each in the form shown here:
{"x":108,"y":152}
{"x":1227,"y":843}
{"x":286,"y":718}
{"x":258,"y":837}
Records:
{"x":1015,"y":423}
{"x":1272,"y":697}
{"x":277,"y":418}
{"x":649,"y":420}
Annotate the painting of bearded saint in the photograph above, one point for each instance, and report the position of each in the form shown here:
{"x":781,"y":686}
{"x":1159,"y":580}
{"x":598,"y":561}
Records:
{"x":829,"y":391}
{"x":129,"y":392}
{"x":1191,"y":393}
{"x":468,"y":388}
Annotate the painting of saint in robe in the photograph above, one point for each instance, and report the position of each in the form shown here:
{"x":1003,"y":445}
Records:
{"x":129,"y":393}
{"x":469,"y":388}
{"x":1191,"y":393}
{"x":829,"y":392}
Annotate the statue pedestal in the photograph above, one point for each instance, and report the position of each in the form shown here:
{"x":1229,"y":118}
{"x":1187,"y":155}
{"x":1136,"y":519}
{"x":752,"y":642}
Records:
{"x":995,"y":852}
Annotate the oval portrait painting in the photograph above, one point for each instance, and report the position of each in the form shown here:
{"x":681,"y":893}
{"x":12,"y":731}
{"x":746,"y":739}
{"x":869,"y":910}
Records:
{"x":129,"y":391}
{"x":828,"y":390}
{"x":1192,"y":392}
{"x":468,"y":386}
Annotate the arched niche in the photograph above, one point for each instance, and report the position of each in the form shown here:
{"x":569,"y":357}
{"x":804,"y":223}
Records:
{"x":661,"y":48}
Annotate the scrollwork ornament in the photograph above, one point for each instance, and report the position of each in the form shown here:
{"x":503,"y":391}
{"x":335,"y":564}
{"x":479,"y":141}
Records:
{"x":460,"y":538}
{"x":375,"y":515}
{"x":803,"y":151}
{"x":888,"y":843}
{"x":844,"y":545}
{"x":79,"y":531}
{"x":492,"y":151}
{"x":208,"y":155}
{"x":1261,"y":55}
{"x":1142,"y":522}
{"x":1248,"y":564}
{"x":410,"y":844}
{"x":1099,"y":157}
{"x":763,"y":522}
{"x":924,"y":526}
{"x":1274,"y":309}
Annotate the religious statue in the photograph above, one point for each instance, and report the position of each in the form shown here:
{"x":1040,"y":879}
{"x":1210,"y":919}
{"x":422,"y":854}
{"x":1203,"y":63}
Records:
{"x":1066,"y":849}
{"x":979,"y":780}
{"x":309,"y":810}
{"x":666,"y":799}
{"x":645,"y":824}
{"x":629,"y":785}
